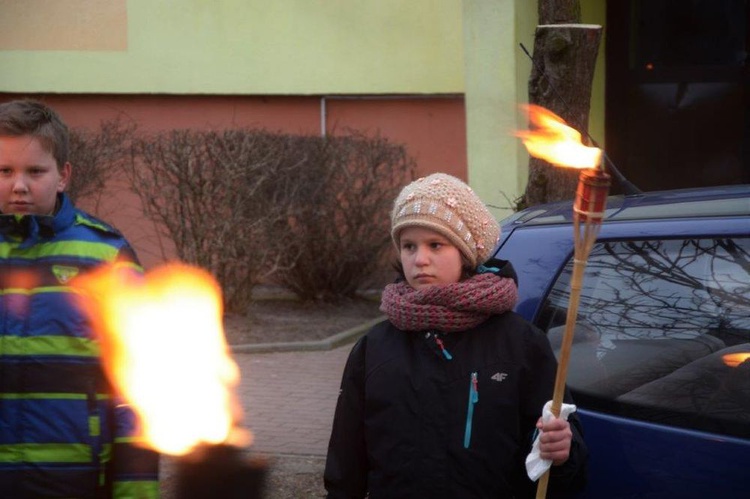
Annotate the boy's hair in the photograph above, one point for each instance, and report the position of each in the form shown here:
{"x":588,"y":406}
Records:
{"x":31,"y":117}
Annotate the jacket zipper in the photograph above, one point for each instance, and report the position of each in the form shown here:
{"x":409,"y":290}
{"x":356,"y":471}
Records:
{"x":444,"y":350}
{"x":94,"y":432}
{"x":473,"y":399}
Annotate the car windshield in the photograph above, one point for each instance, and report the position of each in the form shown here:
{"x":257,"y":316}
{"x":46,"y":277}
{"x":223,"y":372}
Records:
{"x":663,"y":331}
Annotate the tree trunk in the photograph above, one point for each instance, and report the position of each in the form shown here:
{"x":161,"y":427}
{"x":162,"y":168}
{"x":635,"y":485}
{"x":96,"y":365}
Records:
{"x":559,"y":11}
{"x":561,"y":77}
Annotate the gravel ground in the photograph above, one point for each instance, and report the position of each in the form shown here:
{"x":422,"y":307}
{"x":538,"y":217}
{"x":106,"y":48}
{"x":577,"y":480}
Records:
{"x":296,"y":477}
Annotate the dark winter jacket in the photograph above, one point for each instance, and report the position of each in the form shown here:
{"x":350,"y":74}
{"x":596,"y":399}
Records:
{"x":415,"y":420}
{"x":62,"y":433}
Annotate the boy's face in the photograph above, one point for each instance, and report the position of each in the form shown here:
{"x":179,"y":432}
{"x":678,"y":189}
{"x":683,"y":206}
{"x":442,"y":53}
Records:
{"x":29,"y":177}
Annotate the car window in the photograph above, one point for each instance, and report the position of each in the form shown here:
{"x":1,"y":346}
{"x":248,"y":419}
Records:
{"x":663,"y":332}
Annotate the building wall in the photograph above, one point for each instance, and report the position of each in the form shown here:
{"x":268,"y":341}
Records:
{"x":299,"y":66}
{"x":432,"y":128}
{"x":443,"y":77}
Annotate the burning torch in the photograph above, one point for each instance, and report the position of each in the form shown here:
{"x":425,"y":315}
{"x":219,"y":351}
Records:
{"x":555,"y":142}
{"x":164,"y":351}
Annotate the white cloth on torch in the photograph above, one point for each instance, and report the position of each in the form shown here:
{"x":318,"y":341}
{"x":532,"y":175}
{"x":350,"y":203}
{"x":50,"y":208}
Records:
{"x":535,"y":465}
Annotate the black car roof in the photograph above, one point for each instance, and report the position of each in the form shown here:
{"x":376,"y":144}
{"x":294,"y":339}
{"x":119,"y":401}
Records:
{"x":723,"y":201}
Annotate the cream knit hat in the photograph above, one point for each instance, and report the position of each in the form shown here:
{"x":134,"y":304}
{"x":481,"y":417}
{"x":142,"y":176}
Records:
{"x":447,"y":205}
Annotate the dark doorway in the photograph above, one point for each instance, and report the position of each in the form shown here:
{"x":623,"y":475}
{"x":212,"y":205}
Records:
{"x":678,"y":91}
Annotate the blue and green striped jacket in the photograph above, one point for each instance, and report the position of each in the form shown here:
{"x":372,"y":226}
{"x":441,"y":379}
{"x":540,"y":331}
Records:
{"x":62,"y":433}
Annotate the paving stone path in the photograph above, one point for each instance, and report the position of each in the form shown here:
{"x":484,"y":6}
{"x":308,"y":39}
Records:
{"x":289,"y":398}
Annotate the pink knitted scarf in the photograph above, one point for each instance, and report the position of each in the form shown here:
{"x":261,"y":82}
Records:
{"x":450,"y":307}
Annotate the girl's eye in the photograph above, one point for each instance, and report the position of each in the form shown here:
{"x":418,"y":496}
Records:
{"x":407,"y":246}
{"x":436,"y":245}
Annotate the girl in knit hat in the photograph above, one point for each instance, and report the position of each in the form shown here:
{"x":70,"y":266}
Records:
{"x":443,"y":399}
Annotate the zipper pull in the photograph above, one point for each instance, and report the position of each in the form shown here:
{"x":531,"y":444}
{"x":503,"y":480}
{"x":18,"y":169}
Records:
{"x":446,"y":353}
{"x":473,"y":399}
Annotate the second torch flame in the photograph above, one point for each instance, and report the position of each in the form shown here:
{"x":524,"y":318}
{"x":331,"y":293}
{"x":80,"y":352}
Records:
{"x":552,"y":140}
{"x":164,"y":349}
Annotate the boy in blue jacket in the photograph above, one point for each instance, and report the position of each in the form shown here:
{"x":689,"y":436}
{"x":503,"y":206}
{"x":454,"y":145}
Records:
{"x":63,"y":433}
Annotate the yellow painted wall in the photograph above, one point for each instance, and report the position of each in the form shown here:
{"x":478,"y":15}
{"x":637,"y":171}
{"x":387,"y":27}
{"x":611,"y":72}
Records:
{"x":233,"y":46}
{"x":497,"y":73}
{"x":595,"y":12}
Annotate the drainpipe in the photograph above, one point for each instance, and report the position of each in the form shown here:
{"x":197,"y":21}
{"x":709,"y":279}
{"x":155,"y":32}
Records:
{"x":323,"y":117}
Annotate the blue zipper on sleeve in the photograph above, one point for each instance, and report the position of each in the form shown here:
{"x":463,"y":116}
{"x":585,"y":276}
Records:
{"x":473,"y":399}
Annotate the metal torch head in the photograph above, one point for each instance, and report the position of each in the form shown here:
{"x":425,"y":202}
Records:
{"x":591,"y":195}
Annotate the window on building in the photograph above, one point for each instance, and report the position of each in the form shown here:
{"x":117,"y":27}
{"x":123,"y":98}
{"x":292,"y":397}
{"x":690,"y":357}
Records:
{"x":679,"y":33}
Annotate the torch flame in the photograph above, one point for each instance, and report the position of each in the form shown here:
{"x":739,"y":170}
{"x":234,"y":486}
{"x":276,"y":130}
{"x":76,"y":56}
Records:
{"x":735,"y":359}
{"x":555,"y":142}
{"x":164,"y":351}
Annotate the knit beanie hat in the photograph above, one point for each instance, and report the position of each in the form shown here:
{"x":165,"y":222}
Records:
{"x":445,"y":204}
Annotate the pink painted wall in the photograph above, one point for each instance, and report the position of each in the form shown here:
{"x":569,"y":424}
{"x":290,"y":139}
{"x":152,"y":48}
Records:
{"x":432,"y":128}
{"x":162,"y":112}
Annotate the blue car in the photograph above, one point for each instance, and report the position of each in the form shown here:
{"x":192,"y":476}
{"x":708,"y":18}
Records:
{"x":660,"y":361}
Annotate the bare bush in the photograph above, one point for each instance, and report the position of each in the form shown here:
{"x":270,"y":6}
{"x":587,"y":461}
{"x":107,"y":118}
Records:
{"x":216,"y":194}
{"x":310,"y":213}
{"x":96,"y":157}
{"x":337,"y":230}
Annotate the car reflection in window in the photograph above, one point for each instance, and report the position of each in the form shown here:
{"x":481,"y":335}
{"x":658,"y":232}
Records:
{"x":657,"y":323}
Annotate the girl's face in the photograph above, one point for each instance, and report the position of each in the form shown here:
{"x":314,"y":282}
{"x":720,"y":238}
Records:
{"x":428,"y":258}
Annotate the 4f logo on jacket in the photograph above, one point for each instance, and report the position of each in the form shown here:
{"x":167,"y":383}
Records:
{"x":498,"y":377}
